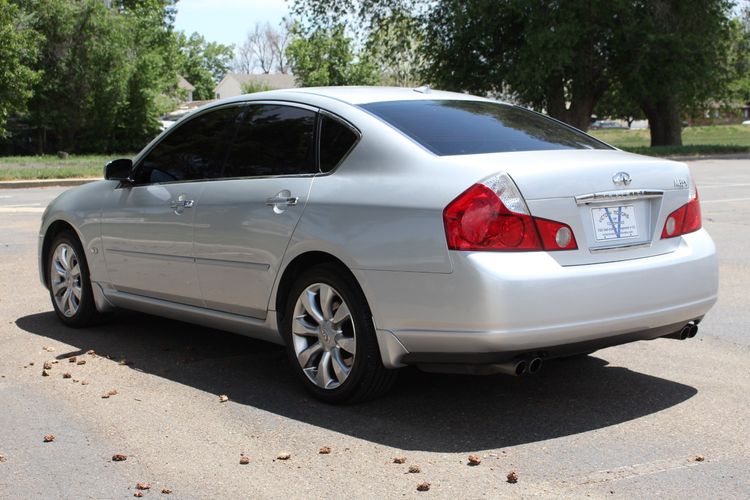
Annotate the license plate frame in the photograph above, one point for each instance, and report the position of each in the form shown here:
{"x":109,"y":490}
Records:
{"x":614,"y":223}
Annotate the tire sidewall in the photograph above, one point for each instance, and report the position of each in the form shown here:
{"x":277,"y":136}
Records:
{"x":361,"y":317}
{"x":87,"y":308}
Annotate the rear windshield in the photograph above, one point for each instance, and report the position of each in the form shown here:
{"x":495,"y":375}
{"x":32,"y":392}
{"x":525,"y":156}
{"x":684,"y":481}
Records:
{"x":474,"y":127}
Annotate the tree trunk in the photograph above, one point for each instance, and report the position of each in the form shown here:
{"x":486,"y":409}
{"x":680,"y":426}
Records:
{"x":577,"y":113}
{"x":664,"y":121}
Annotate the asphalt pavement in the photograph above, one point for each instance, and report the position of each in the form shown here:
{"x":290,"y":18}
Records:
{"x":664,"y":418}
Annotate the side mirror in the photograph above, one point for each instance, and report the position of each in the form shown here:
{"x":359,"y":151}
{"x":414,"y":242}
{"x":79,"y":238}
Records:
{"x":119,"y":170}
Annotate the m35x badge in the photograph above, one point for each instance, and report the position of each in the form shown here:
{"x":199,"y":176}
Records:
{"x":621,"y":179}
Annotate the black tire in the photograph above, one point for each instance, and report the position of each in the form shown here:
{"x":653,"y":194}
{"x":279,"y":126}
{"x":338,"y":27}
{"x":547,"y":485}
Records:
{"x":367,"y":378}
{"x":86,"y":313}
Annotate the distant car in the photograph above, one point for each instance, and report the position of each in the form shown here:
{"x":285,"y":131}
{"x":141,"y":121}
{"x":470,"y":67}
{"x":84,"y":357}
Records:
{"x":746,"y":122}
{"x":600,"y":124}
{"x":372,"y":228}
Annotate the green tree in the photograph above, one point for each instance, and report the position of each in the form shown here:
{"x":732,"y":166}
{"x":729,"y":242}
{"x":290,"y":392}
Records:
{"x":326,"y":57}
{"x":616,"y":103}
{"x":103,"y":67}
{"x":671,"y":56}
{"x":550,"y":55}
{"x":390,"y":32}
{"x":739,"y":57}
{"x":203,"y":63}
{"x":18,"y":50}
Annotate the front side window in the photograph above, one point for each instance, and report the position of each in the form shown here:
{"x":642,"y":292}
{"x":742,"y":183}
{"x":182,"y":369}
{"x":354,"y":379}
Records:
{"x":273,"y":140}
{"x":193,"y":151}
{"x":476,"y":127}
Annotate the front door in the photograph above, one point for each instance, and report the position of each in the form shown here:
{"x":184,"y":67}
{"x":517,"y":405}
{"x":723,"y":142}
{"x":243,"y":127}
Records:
{"x":147,"y":226}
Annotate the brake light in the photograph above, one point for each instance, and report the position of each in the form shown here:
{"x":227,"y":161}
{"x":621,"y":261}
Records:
{"x":686,"y":219}
{"x":493,"y":216}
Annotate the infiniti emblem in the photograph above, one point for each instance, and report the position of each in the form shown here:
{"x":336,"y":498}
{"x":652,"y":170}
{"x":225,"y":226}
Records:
{"x":621,"y":179}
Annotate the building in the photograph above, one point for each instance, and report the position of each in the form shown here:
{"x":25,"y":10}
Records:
{"x":185,"y":85}
{"x":232,"y":83}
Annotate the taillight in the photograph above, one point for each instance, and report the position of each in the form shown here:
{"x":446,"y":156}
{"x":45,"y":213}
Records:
{"x":493,"y":216}
{"x":686,"y":219}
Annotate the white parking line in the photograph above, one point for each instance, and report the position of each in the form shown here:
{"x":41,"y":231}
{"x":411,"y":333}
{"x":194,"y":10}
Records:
{"x":703,"y":202}
{"x":727,"y":185}
{"x":21,"y":210}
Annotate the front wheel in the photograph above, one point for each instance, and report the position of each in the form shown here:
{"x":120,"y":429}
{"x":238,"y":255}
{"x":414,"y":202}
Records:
{"x":331,"y":338}
{"x":69,"y":283}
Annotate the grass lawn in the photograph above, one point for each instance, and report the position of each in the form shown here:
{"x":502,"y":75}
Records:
{"x":52,"y":167}
{"x":714,"y":139}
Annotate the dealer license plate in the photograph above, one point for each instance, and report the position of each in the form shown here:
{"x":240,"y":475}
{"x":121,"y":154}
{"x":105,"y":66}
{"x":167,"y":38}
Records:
{"x":614,"y":223}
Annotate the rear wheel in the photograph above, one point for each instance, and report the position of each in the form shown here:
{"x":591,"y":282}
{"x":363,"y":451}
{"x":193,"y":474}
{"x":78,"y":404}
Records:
{"x":68,"y":282}
{"x":331,"y":339}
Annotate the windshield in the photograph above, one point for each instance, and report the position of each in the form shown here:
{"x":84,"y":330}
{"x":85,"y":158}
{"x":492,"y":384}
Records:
{"x":475,"y":127}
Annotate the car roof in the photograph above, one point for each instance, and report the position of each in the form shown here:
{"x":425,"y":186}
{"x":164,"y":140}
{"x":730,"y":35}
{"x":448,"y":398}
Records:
{"x":363,"y":95}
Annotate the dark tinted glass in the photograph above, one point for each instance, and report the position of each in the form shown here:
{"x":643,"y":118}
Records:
{"x":474,"y":127}
{"x":336,"y":139}
{"x":194,"y":151}
{"x":273,"y":140}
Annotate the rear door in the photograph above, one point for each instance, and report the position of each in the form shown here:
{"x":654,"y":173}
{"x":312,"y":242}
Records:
{"x":147,"y":227}
{"x":244,"y":222}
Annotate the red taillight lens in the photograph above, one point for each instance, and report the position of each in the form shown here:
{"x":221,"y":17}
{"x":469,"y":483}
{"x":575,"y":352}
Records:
{"x":684,"y":220}
{"x":479,"y":220}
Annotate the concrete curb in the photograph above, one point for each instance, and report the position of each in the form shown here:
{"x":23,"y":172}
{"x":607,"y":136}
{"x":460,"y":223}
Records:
{"x":25,"y":184}
{"x":729,"y":156}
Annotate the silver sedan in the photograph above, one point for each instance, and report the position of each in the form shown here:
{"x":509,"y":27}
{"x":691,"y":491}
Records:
{"x":372,"y":228}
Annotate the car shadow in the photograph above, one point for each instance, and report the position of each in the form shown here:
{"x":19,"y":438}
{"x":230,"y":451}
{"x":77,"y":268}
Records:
{"x":443,"y":413}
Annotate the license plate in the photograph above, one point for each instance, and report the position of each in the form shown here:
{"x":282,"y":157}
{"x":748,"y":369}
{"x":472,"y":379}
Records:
{"x":614,"y":223}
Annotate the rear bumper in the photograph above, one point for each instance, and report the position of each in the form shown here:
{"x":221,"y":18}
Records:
{"x":495,"y":306}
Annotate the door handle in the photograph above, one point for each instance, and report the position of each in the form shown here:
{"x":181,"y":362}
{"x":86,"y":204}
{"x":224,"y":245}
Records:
{"x":181,"y":204}
{"x":282,"y":200}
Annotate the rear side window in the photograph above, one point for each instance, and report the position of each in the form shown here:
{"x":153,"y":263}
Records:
{"x":475,"y":127}
{"x":336,"y":139}
{"x":193,"y":151}
{"x":273,"y":140}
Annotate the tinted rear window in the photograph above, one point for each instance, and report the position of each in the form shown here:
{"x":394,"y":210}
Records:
{"x":336,"y":139}
{"x":475,"y":127}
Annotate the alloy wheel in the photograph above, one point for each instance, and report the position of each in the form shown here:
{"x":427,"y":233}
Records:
{"x":65,"y":280}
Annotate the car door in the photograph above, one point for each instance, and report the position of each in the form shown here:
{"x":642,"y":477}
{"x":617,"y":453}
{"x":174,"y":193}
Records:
{"x":147,"y":226}
{"x":244,"y":222}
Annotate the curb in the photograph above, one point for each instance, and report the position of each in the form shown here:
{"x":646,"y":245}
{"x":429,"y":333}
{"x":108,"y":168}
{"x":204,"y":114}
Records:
{"x":728,"y":156}
{"x":25,"y":184}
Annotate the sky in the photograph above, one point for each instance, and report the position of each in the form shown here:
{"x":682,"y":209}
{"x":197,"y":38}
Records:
{"x":227,"y":21}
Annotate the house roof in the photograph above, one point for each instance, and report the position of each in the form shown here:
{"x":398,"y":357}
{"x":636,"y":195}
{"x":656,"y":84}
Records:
{"x":272,"y":80}
{"x":184,"y":84}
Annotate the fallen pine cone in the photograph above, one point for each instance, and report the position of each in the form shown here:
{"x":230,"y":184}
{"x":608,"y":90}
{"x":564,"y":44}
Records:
{"x":414,"y":469}
{"x":284,"y":455}
{"x":166,"y":491}
{"x":49,"y":349}
{"x":81,"y":362}
{"x":47,"y":365}
{"x":2,"y":458}
{"x":399,"y":460}
{"x":698,"y":458}
{"x":72,"y":359}
{"x":474,"y":460}
{"x":143,"y":486}
{"x":67,"y":375}
{"x":325,"y":450}
{"x":45,"y":373}
{"x":244,"y":460}
{"x":138,"y":494}
{"x":223,"y":398}
{"x":119,"y":457}
{"x":512,"y":477}
{"x":49,"y":438}
{"x":84,"y":382}
{"x":423,"y":486}
{"x":113,"y":392}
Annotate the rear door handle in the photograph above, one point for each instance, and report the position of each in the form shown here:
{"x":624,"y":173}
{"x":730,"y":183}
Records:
{"x":182,"y":204}
{"x":282,"y":200}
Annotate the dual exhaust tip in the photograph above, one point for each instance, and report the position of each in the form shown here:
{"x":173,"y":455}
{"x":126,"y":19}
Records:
{"x":686,"y":332}
{"x":518,"y":367}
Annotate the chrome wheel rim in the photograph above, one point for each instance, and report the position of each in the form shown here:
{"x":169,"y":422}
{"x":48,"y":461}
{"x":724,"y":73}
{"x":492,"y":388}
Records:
{"x":65,"y":280}
{"x":323,"y":336}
